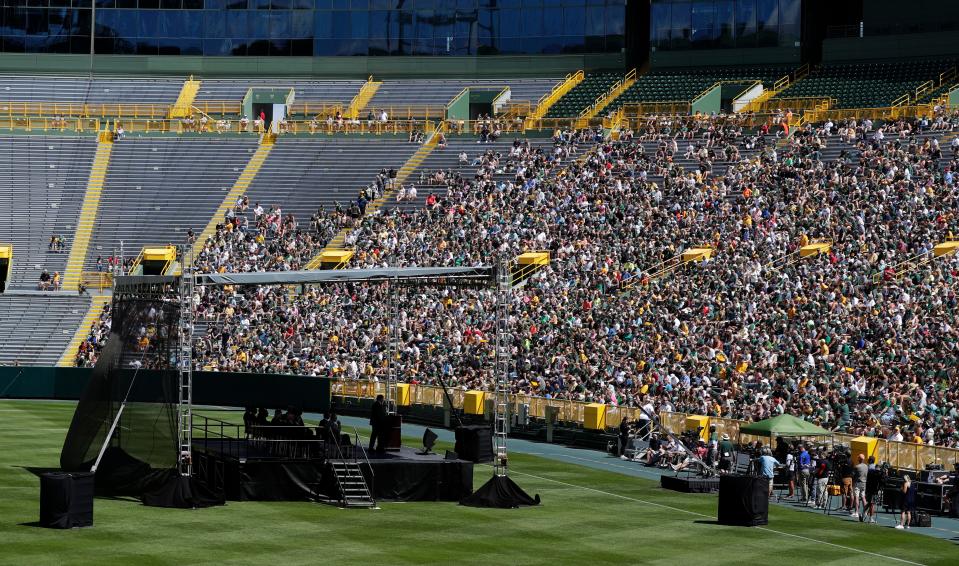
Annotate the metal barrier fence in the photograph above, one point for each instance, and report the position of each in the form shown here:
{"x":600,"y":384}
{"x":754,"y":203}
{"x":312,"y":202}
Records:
{"x":359,"y":126}
{"x":899,"y":454}
{"x":39,"y":123}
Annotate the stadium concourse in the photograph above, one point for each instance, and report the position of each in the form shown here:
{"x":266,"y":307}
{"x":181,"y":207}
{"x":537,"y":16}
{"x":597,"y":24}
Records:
{"x":860,"y":338}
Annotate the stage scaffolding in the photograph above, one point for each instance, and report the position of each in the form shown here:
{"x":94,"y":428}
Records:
{"x":496,"y":279}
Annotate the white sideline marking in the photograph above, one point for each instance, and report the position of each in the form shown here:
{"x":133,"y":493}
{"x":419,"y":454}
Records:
{"x":893,"y":558}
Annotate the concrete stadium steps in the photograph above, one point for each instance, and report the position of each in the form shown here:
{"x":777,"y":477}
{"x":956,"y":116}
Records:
{"x":69,"y":356}
{"x":98,"y":90}
{"x":239,"y":189}
{"x":42,"y":184}
{"x":448,"y":159}
{"x":438,"y":92}
{"x":233,"y":90}
{"x":88,"y":213}
{"x":158,"y":188}
{"x":304,"y":174}
{"x":36,"y":327}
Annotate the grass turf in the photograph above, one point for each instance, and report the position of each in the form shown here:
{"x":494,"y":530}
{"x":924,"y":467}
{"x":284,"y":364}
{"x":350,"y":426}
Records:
{"x":587,"y":516}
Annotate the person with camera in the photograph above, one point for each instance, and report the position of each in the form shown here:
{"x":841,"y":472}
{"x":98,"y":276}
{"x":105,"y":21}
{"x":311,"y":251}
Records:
{"x":875,"y":482}
{"x":821,"y":475}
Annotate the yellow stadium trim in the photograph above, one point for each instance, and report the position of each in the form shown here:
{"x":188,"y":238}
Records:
{"x":69,"y":357}
{"x":88,"y":213}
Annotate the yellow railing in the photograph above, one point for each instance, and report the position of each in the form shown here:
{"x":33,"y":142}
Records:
{"x":362,"y":97}
{"x":96,"y":279}
{"x":612,"y":94}
{"x":317,"y":109}
{"x":546,"y":101}
{"x":324,"y":127}
{"x":145,"y":125}
{"x":796,"y":103}
{"x":505,"y":125}
{"x":47,"y":123}
{"x":219,"y":108}
{"x":884,"y":113}
{"x":898,"y":454}
{"x":665,"y":107}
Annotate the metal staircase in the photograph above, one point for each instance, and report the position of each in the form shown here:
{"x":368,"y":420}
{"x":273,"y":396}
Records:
{"x":352,"y":484}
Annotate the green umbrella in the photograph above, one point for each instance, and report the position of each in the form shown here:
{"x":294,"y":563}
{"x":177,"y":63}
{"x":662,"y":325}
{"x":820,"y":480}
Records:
{"x":783,"y":425}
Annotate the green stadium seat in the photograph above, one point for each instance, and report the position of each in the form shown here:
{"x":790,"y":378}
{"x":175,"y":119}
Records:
{"x":667,"y":85}
{"x":583,"y":95}
{"x":867,"y":85}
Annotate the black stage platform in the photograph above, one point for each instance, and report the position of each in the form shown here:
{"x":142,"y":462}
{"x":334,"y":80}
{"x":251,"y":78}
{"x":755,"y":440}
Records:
{"x":244,"y":471}
{"x":689,"y":484}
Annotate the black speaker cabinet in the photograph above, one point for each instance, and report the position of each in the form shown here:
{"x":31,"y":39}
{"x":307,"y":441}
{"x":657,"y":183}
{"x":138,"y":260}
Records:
{"x":66,"y":500}
{"x":743,"y":501}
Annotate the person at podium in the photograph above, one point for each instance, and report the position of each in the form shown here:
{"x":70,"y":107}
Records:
{"x":378,"y":425}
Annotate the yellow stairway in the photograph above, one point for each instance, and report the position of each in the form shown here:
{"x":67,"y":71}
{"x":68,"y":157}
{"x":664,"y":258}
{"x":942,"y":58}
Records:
{"x":70,"y":353}
{"x":183,"y":106}
{"x":405,"y":171}
{"x":363,"y":97}
{"x":548,"y":100}
{"x":88,"y":212}
{"x":239,"y":188}
{"x":603,"y":101}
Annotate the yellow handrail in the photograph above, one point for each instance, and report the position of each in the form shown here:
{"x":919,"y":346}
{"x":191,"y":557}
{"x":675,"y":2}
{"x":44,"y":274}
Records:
{"x":390,"y":127}
{"x":618,"y":88}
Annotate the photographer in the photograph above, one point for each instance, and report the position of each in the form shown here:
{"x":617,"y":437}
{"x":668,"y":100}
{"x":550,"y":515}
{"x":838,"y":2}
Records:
{"x":875,"y":483}
{"x":821,"y":473}
{"x":842,"y":463}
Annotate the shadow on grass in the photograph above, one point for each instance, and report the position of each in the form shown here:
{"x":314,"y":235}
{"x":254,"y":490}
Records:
{"x":35,"y":524}
{"x":706,"y":522}
{"x":38,"y":471}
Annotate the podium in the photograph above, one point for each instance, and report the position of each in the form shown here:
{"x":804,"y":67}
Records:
{"x":394,"y":435}
{"x":66,"y":500}
{"x":743,"y":501}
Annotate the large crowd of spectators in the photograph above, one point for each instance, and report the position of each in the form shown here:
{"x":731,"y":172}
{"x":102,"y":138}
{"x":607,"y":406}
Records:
{"x":862,"y":338}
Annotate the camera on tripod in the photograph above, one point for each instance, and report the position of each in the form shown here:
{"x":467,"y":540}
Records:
{"x":691,"y":437}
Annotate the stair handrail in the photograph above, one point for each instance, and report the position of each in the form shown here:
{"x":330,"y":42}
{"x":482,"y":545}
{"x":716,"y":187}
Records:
{"x":339,"y":452}
{"x":356,"y":442}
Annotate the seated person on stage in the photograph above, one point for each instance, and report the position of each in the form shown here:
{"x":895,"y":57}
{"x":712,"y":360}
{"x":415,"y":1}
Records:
{"x":699,"y":452}
{"x":655,"y":451}
{"x":674,"y":452}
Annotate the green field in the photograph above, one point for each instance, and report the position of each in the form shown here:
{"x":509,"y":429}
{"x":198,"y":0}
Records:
{"x":586,"y":516}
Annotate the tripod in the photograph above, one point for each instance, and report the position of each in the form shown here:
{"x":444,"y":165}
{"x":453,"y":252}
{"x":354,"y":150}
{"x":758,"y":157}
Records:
{"x":833,"y":490}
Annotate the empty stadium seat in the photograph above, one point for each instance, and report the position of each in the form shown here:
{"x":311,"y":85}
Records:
{"x":867,"y":85}
{"x":668,"y":85}
{"x":158,"y":188}
{"x":42,"y":182}
{"x":583,"y":95}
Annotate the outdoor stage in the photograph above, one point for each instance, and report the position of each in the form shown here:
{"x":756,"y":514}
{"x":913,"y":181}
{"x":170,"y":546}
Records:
{"x":246,"y":471}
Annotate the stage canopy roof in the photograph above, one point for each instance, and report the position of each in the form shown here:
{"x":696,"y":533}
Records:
{"x":784,"y":425}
